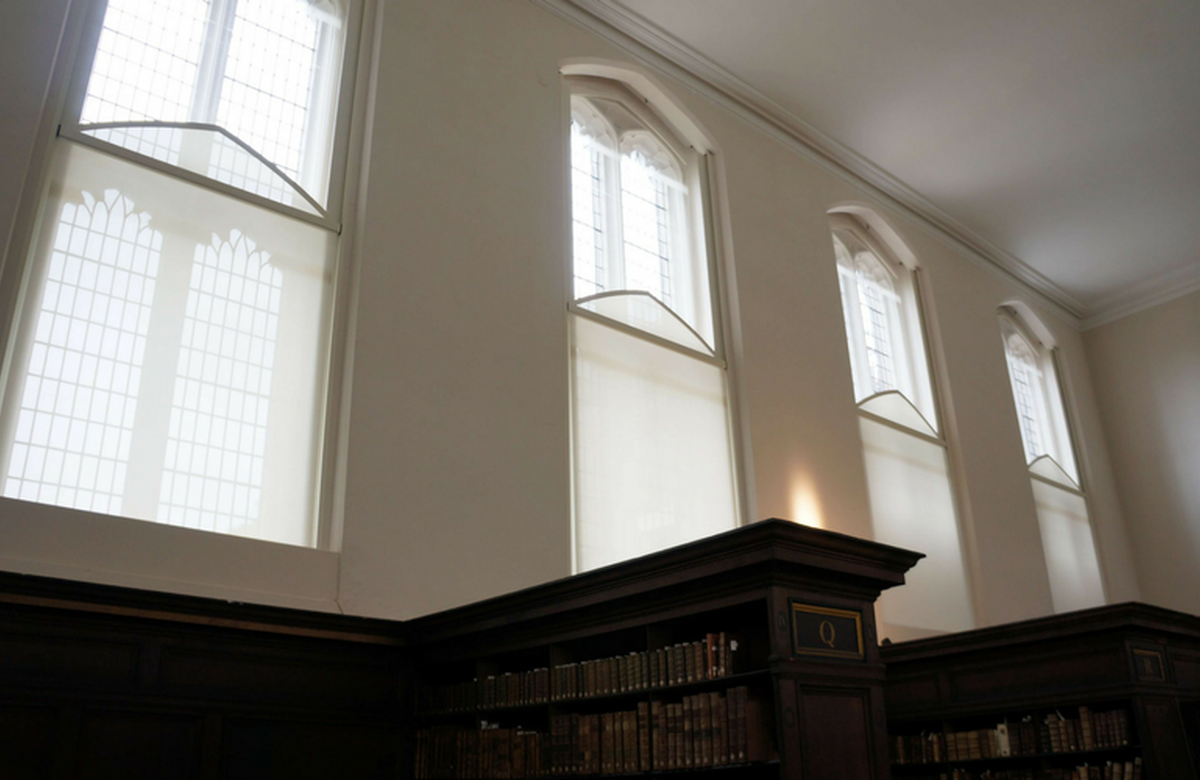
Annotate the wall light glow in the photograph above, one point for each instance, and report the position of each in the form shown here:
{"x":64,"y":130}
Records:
{"x":805,"y":503}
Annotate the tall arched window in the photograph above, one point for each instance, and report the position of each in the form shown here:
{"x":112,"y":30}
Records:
{"x":180,"y":282}
{"x":1058,"y":494}
{"x":904,"y":447}
{"x":653,"y":462}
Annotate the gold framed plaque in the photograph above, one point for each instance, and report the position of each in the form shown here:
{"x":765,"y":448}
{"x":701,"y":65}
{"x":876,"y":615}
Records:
{"x":826,"y":631}
{"x":1149,"y":665}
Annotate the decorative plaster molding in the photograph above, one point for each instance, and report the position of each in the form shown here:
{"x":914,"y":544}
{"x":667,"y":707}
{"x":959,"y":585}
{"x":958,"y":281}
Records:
{"x":627,"y":30}
{"x":1144,"y":295}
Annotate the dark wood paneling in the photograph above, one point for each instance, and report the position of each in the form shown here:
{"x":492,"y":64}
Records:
{"x":905,"y":693}
{"x":1187,"y":670}
{"x":838,"y":739}
{"x":102,"y":682}
{"x":286,"y":750}
{"x":139,"y":746}
{"x":1084,"y":668}
{"x":1165,"y":744}
{"x":26,"y":742}
{"x":277,"y":677}
{"x":27,"y":659}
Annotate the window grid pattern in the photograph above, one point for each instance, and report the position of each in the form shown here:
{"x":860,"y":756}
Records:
{"x":268,"y":78}
{"x":587,"y":213}
{"x":160,"y":143}
{"x":233,"y":165}
{"x":646,"y":226}
{"x":1021,"y":374}
{"x":146,"y":61}
{"x":75,"y":424}
{"x":876,"y":334}
{"x":213,"y":473}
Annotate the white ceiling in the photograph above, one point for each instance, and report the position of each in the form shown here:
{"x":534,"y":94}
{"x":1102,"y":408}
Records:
{"x":1059,"y":134}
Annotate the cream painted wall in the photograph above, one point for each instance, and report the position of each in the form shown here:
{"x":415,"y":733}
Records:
{"x":1147,"y":372}
{"x":29,"y":38}
{"x":456,"y":462}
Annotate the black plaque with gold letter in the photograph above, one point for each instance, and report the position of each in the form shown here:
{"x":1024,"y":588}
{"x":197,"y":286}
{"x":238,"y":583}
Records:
{"x":825,"y":631}
{"x":1149,"y":663}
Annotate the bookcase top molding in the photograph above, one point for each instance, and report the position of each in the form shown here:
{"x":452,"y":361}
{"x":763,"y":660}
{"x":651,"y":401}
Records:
{"x":1130,"y":618}
{"x":769,"y":552}
{"x":49,"y":597}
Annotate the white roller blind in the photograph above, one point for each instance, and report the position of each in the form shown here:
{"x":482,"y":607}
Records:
{"x":171,"y":356}
{"x":1068,"y":547}
{"x":652,"y":453}
{"x":912,"y":506}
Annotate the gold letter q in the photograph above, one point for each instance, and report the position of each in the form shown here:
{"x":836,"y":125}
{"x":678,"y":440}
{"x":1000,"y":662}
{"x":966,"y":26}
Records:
{"x":828,"y":633}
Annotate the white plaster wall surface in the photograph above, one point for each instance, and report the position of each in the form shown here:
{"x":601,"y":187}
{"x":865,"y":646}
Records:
{"x":1112,"y":535}
{"x":794,"y":358}
{"x":458,"y":477}
{"x":458,"y":481}
{"x":28,"y":44}
{"x":1147,"y":373}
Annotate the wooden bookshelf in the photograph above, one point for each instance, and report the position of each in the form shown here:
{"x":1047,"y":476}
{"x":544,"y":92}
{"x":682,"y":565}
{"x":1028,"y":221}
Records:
{"x":99,"y":681}
{"x":107,"y":682}
{"x":795,"y":602}
{"x":1115,"y":684}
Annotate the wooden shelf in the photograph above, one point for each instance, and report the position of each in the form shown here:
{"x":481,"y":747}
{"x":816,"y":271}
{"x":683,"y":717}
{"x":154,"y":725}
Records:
{"x":744,"y":583}
{"x":1070,"y":755}
{"x":1139,"y":659}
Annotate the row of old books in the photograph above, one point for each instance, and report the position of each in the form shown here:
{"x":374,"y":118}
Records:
{"x":452,"y":752}
{"x":686,"y":662}
{"x":512,"y":689}
{"x":1089,"y":731}
{"x":1054,"y":734}
{"x":705,"y":730}
{"x":1112,"y":770}
{"x":710,"y":658}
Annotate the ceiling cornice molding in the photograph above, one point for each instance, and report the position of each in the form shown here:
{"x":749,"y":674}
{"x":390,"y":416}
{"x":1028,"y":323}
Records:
{"x":1145,"y":295}
{"x":641,"y":38}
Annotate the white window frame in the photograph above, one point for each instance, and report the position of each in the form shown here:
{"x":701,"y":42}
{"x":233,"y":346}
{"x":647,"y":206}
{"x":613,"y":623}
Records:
{"x":1054,"y":468}
{"x":649,"y":134}
{"x":695,"y":165}
{"x":873,"y":262}
{"x":1024,"y":349}
{"x":912,"y":406}
{"x":204,"y":110}
{"x":61,"y":121}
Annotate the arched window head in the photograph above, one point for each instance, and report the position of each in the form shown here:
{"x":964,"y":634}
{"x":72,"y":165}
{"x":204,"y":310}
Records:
{"x":637,"y":218}
{"x":1040,"y":415}
{"x":883,"y":325}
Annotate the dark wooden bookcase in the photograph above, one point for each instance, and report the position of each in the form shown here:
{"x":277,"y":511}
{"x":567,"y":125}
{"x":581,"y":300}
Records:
{"x":798,"y":600}
{"x":106,"y":682}
{"x":99,"y":681}
{"x":1138,"y":661}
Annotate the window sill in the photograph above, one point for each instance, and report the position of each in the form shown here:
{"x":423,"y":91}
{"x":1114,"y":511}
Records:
{"x":72,"y":544}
